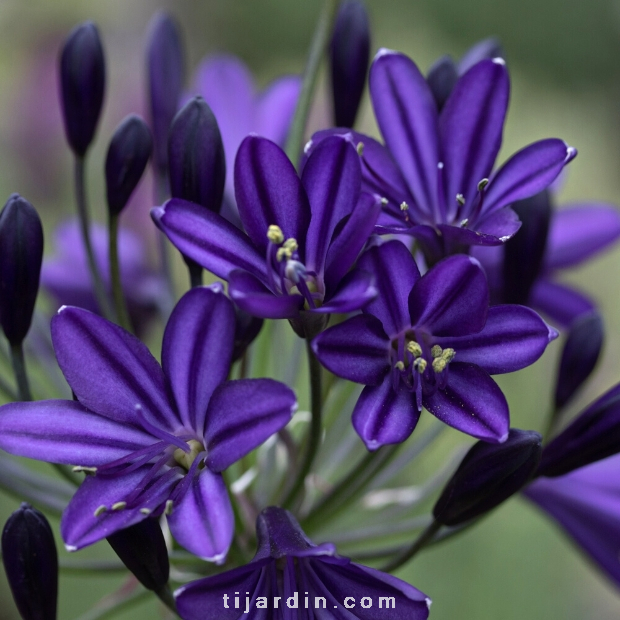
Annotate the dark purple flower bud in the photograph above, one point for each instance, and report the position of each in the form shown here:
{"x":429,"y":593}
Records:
{"x":82,"y":84}
{"x":166,"y":74}
{"x":142,"y":549}
{"x":247,"y":327}
{"x":441,"y":78}
{"x":196,"y":160}
{"x":488,"y":475}
{"x":31,"y":563}
{"x":128,"y":154}
{"x":579,"y":356}
{"x":524,"y":253}
{"x":487,"y":49}
{"x":592,"y":436}
{"x":21,"y":253}
{"x":350,"y":49}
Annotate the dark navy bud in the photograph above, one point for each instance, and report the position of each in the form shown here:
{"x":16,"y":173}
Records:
{"x":441,"y":78}
{"x":524,"y":253}
{"x":487,"y":49}
{"x":128,"y":154}
{"x":82,"y":84}
{"x":21,"y":253}
{"x":592,"y":436}
{"x":166,"y":74}
{"x":142,"y":549}
{"x":247,"y":327}
{"x":196,"y":163}
{"x":349,"y":53}
{"x":579,"y":356}
{"x":31,"y":563}
{"x":488,"y":475}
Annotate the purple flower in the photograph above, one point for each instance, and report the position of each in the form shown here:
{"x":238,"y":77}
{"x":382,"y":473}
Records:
{"x":301,"y":580}
{"x":66,"y":276}
{"x":226,"y":84}
{"x":430,"y":341}
{"x":436,"y":170}
{"x":155,"y":438}
{"x":303,"y":235}
{"x":586,"y":504}
{"x":576,"y":232}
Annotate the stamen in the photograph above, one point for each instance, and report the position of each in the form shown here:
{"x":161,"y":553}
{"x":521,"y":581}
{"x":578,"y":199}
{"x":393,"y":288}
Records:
{"x":482,"y":184}
{"x":169,"y":507}
{"x":404,"y":206}
{"x":384,"y":201}
{"x":275,"y":235}
{"x":360,"y":148}
{"x":439,"y":364}
{"x":399,"y":365}
{"x":448,"y":355}
{"x":146,"y":511}
{"x":295,"y":271}
{"x":436,"y":351}
{"x":420,"y":364}
{"x":158,"y":432}
{"x":464,"y":223}
{"x":100,"y":510}
{"x":87,"y":470}
{"x":119,"y":506}
{"x":441,"y":195}
{"x":414,"y":348}
{"x":460,"y":199}
{"x":126,"y":463}
{"x":186,"y":459}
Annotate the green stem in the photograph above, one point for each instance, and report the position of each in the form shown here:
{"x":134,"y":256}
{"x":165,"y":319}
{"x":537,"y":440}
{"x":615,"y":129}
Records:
{"x":115,"y":273}
{"x":425,"y":537}
{"x":19,"y":369}
{"x":318,"y":46}
{"x":316,"y":427}
{"x":166,"y":597}
{"x":161,"y":194}
{"x":195,"y":273}
{"x":82,"y":207}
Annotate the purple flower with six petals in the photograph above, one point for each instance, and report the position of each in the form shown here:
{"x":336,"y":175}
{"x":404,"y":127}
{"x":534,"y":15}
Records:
{"x":155,"y":439}
{"x":431,"y":341}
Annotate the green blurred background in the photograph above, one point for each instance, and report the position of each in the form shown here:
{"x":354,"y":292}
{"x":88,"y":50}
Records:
{"x":564,"y":61}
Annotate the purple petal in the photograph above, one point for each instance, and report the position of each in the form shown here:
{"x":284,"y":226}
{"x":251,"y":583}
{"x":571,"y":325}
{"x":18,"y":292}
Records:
{"x":63,"y":431}
{"x":109,"y":370}
{"x":561,"y":303}
{"x":79,"y":525}
{"x":472,"y":403}
{"x":357,"y":350}
{"x":356,"y":290}
{"x":197,"y":351}
{"x":395,"y":274}
{"x":348,"y":243}
{"x":526,"y":173}
{"x":269,"y":192}
{"x":451,"y":299}
{"x":332,"y":178}
{"x":383,"y":415}
{"x":208,"y":238}
{"x":454,"y":238}
{"x":253,"y":297}
{"x":514,"y":337}
{"x":203,"y":521}
{"x":586,"y":503}
{"x":407,"y":116}
{"x":578,"y":232}
{"x":471,"y":126}
{"x":275,"y":108}
{"x":503,"y":224}
{"x":242,"y":415}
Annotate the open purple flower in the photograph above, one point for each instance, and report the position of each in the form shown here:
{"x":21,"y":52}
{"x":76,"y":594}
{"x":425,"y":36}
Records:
{"x":431,"y":341}
{"x":226,"y":84}
{"x":436,"y":170}
{"x":573,"y":234}
{"x":290,"y":577}
{"x":155,"y":439}
{"x":303,"y":235}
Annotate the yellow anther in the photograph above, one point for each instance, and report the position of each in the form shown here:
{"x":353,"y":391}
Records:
{"x":448,"y":355}
{"x":100,"y":511}
{"x":275,"y":235}
{"x":460,"y":199}
{"x":414,"y":348}
{"x":119,"y":506}
{"x":87,"y":470}
{"x":288,"y":248}
{"x":146,"y":511}
{"x":399,"y":365}
{"x":291,"y":244}
{"x":404,"y":206}
{"x":420,"y":365}
{"x":436,"y":351}
{"x":185,"y":459}
{"x":360,"y":148}
{"x":439,"y":364}
{"x":168,"y":508}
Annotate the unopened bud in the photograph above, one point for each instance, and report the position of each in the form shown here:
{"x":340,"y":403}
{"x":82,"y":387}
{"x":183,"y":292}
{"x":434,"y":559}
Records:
{"x":441,"y":78}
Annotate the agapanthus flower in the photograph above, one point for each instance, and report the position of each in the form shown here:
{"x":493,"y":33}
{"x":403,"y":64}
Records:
{"x":569,"y":237}
{"x":65,"y":275}
{"x":430,"y":341}
{"x":436,"y":170}
{"x":303,"y":234}
{"x":155,"y":439}
{"x":227,"y":85}
{"x":290,"y":577}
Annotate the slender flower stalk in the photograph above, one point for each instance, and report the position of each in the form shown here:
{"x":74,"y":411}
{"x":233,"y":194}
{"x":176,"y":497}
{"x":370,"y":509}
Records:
{"x":408,"y":554}
{"x":120,"y":306}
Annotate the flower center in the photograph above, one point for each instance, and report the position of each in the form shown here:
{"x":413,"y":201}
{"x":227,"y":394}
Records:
{"x":186,"y":459}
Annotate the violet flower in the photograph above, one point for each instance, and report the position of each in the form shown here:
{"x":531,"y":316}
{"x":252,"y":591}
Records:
{"x":436,"y":170}
{"x":66,"y":278}
{"x":430,"y":341}
{"x":155,"y":439}
{"x":226,"y":84}
{"x":303,"y":235}
{"x":290,"y":577}
{"x":576,"y":233}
